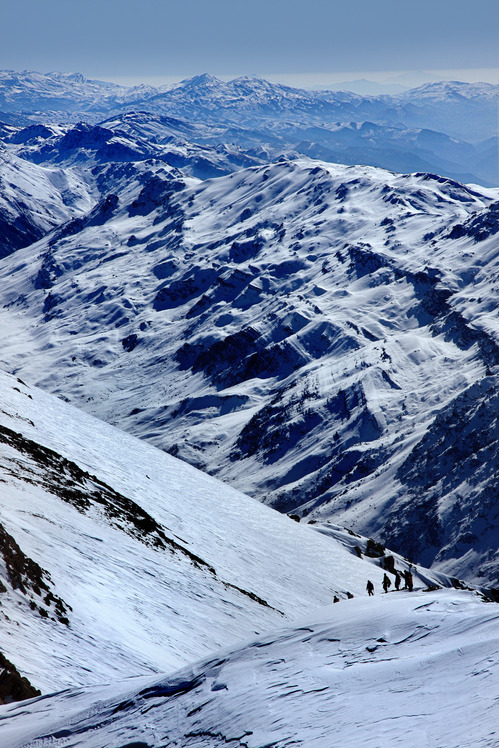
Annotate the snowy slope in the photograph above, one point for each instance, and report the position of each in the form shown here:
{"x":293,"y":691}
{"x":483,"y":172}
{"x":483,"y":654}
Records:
{"x":294,"y":329}
{"x":34,"y":200}
{"x":413,"y":670}
{"x":117,"y":559}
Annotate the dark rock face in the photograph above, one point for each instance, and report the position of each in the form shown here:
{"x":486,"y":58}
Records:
{"x":103,"y":211}
{"x":84,"y":136}
{"x":30,"y":134}
{"x":13,"y":686}
{"x":28,"y":577}
{"x":130,"y":342}
{"x":239,"y":357}
{"x":156,"y":192}
{"x":480,"y":227}
{"x":242,"y":251}
{"x":271,"y":434}
{"x":185,"y":289}
{"x":48,"y":273}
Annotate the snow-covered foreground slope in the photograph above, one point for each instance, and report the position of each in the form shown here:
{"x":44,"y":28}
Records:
{"x":118,"y":559}
{"x":316,"y":335}
{"x":416,"y":670}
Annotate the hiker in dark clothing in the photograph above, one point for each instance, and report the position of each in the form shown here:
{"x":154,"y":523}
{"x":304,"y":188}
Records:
{"x":370,"y":588}
{"x":398,"y":579}
{"x":386,"y":583}
{"x":408,"y":580}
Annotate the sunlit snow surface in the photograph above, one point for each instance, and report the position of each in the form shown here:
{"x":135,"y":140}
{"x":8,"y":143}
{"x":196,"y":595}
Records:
{"x":414,"y":670}
{"x":371,"y":301}
{"x":136,"y":608}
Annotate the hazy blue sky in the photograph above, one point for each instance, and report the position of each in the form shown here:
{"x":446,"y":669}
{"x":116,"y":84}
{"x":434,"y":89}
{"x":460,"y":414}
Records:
{"x":155,"y":39}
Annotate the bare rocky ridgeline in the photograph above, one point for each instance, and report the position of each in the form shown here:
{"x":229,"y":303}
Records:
{"x":14,"y":686}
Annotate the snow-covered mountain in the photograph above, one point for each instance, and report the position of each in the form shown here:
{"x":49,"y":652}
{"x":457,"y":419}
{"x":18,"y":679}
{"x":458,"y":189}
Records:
{"x":63,"y":95}
{"x":462,"y":110}
{"x":322,"y":337}
{"x":71,"y":167}
{"x":128,"y":138}
{"x":249,"y":101}
{"x":124,"y":558}
{"x":315,"y":335}
{"x":35,"y":199}
{"x":399,"y":148}
{"x":440,"y":128}
{"x":118,"y":564}
{"x":206,"y":98}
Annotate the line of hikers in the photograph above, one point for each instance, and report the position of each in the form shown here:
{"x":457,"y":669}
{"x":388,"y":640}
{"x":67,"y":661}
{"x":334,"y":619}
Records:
{"x":387,"y":582}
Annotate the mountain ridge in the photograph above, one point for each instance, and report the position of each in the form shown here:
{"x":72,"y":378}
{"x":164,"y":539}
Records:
{"x":464,"y":112}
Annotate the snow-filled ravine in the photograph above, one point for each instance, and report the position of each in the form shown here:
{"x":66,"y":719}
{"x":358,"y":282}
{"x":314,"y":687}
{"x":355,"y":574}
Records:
{"x":34,"y":199}
{"x":406,"y":669}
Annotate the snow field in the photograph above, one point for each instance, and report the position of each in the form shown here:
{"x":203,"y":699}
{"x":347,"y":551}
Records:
{"x":402,"y":669}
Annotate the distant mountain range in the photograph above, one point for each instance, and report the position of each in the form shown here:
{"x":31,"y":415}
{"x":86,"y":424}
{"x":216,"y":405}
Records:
{"x":449,"y":128}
